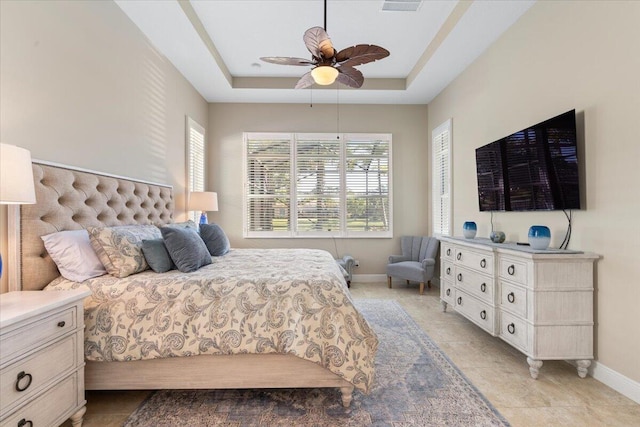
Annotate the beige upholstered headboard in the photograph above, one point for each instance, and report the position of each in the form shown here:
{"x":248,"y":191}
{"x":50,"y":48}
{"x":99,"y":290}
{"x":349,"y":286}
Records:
{"x":71,"y":199}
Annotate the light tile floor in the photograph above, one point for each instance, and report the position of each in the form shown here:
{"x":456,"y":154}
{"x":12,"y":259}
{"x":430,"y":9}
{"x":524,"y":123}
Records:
{"x":557,"y":398}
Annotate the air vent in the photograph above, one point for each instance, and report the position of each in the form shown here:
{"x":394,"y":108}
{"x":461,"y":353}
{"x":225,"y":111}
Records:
{"x":401,"y":5}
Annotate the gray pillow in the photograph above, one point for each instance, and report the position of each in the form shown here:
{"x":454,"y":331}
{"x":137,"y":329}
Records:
{"x":155,"y":252}
{"x":217,"y":242}
{"x":186,"y":248}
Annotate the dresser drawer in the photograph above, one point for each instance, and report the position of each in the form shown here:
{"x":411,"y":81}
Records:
{"x":36,"y":333}
{"x":513,"y":270}
{"x":514,"y":299}
{"x":448,"y":252}
{"x":478,"y":312}
{"x":514,"y":331}
{"x":36,"y":370}
{"x":475,"y":260}
{"x":475,"y":283}
{"x":51,"y":407}
{"x":447,"y":272}
{"x":447,"y":292}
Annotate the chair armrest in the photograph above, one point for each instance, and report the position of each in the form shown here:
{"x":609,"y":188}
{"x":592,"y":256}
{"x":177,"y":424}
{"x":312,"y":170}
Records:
{"x":428,"y":262}
{"x":397,"y":258}
{"x":349,"y":262}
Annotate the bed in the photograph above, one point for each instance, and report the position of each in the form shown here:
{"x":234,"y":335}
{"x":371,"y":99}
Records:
{"x":253,"y":318}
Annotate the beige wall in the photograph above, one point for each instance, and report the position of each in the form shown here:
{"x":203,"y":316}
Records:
{"x":559,"y":56}
{"x":80,"y":85}
{"x":408,"y":124}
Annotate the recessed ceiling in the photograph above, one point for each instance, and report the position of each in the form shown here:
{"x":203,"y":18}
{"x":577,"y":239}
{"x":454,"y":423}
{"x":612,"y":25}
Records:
{"x":217,"y":44}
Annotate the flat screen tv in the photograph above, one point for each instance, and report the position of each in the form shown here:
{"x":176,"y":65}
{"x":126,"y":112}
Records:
{"x":533,"y":169}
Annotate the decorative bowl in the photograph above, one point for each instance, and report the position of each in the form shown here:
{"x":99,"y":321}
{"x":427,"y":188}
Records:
{"x":469,"y":229}
{"x":497,"y":236}
{"x":539,"y":237}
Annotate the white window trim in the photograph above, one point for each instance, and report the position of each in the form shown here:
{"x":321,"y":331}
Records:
{"x":191,"y":126}
{"x":293,"y":233}
{"x":439,"y":229}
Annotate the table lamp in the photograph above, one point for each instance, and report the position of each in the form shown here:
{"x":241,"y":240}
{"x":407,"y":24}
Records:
{"x":205,"y":201}
{"x":16,"y":178}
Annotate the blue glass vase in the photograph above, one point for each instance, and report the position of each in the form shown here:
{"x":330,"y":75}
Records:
{"x":469,"y":229}
{"x":539,"y":237}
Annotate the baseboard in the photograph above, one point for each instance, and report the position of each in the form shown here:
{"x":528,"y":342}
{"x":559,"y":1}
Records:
{"x":616,"y":381}
{"x":369,"y":278}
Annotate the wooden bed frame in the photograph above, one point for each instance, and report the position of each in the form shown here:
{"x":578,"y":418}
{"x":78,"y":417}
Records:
{"x":71,"y":198}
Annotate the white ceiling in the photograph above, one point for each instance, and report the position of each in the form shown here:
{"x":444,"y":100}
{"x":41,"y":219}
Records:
{"x":216,"y":44}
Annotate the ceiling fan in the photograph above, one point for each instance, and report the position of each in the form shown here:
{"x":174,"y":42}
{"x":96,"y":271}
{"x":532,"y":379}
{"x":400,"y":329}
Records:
{"x":328,"y":64}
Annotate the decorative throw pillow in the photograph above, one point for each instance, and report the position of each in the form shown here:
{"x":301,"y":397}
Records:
{"x":156,"y":255}
{"x":73,"y":254}
{"x":217,"y":242}
{"x":120,"y":248}
{"x":186,"y":248}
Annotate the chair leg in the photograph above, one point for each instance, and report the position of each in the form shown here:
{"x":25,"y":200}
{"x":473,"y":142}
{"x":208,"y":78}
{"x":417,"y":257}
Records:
{"x":389,"y":281}
{"x":421,"y":288}
{"x":429,"y":284}
{"x":349,"y":284}
{"x":407,"y":282}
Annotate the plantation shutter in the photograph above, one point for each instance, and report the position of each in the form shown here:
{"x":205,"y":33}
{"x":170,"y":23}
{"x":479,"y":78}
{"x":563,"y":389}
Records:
{"x":268,"y":183}
{"x":367,"y":184}
{"x":441,"y":142}
{"x":195,"y":160}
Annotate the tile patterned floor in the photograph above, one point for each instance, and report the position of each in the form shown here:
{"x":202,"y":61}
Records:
{"x":558,"y":398}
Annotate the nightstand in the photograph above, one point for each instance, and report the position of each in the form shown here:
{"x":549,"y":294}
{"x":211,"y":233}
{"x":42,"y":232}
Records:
{"x":42,"y":358}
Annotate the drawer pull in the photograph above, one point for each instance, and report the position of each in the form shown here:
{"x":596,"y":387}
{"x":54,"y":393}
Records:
{"x":511,"y":297}
{"x":448,"y":292}
{"x":459,"y":300}
{"x":483,"y":314}
{"x":511,"y":269}
{"x":511,"y":328}
{"x":448,"y":251}
{"x":483,"y":263}
{"x":24,"y":423}
{"x":459,"y":277}
{"x":22,"y":375}
{"x":448,"y":270}
{"x":459,"y":256}
{"x":483,"y":287}
{"x":61,"y":324}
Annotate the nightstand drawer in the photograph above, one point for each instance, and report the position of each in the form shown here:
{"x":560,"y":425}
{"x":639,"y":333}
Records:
{"x":35,"y":334}
{"x":49,"y":410}
{"x":35,"y":371}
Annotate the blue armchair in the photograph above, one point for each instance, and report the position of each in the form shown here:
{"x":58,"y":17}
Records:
{"x":417,"y":262}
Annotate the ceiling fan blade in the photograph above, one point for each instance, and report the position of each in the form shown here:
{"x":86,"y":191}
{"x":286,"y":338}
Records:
{"x":305,"y":81}
{"x":350,"y":77}
{"x":361,"y":54}
{"x":318,"y":42}
{"x":282,"y":60}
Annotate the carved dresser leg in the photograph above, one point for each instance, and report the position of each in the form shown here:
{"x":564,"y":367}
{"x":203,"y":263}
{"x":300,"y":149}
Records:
{"x":347,"y":395}
{"x":444,"y":305}
{"x":534,"y":367}
{"x":583,"y":366}
{"x":76,"y":419}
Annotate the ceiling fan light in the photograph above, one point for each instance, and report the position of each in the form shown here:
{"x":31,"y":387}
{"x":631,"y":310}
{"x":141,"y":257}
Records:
{"x":324,"y":75}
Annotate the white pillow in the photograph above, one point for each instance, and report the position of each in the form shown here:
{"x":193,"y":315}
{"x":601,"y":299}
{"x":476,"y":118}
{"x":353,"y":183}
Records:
{"x":73,"y":254}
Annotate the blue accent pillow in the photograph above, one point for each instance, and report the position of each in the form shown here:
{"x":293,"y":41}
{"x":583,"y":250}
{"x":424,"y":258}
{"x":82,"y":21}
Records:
{"x":217,"y":242}
{"x":186,"y":248}
{"x":157,"y":256}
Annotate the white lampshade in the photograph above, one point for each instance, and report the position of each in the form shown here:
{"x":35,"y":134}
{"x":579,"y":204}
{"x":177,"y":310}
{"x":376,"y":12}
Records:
{"x":324,"y":75}
{"x":16,"y":176}
{"x":206,"y":201}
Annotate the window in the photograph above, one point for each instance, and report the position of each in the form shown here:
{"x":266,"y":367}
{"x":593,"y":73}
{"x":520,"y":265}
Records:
{"x":317,"y":185}
{"x":441,"y":142}
{"x":195,"y":161}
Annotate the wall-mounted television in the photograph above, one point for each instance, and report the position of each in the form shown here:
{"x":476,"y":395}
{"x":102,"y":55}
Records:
{"x":533,"y":169}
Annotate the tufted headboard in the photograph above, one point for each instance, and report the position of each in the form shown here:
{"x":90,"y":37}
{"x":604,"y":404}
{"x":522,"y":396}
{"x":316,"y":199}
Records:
{"x":71,"y":199}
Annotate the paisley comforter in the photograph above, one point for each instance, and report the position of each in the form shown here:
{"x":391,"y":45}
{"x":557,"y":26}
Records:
{"x":292,"y":301}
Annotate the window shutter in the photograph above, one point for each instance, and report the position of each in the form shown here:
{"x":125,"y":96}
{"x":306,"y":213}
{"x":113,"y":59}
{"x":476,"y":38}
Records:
{"x":195,"y":160}
{"x":441,"y":142}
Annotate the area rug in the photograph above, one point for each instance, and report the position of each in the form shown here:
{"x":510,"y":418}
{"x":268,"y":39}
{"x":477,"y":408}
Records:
{"x":416,"y":385}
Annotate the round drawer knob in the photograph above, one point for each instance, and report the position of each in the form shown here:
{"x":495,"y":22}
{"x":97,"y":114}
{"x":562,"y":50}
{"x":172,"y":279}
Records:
{"x":449,"y":252}
{"x":459,"y":256}
{"x":21,"y":376}
{"x":483,"y":315}
{"x":511,"y":297}
{"x":448,"y":292}
{"x":483,"y":263}
{"x":483,"y":287}
{"x":448,"y":270}
{"x":511,"y":328}
{"x":511,"y":270}
{"x":459,"y":277}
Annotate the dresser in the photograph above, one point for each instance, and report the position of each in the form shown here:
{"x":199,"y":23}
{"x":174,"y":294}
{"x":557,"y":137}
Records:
{"x":540,"y":302}
{"x":42,"y":358}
